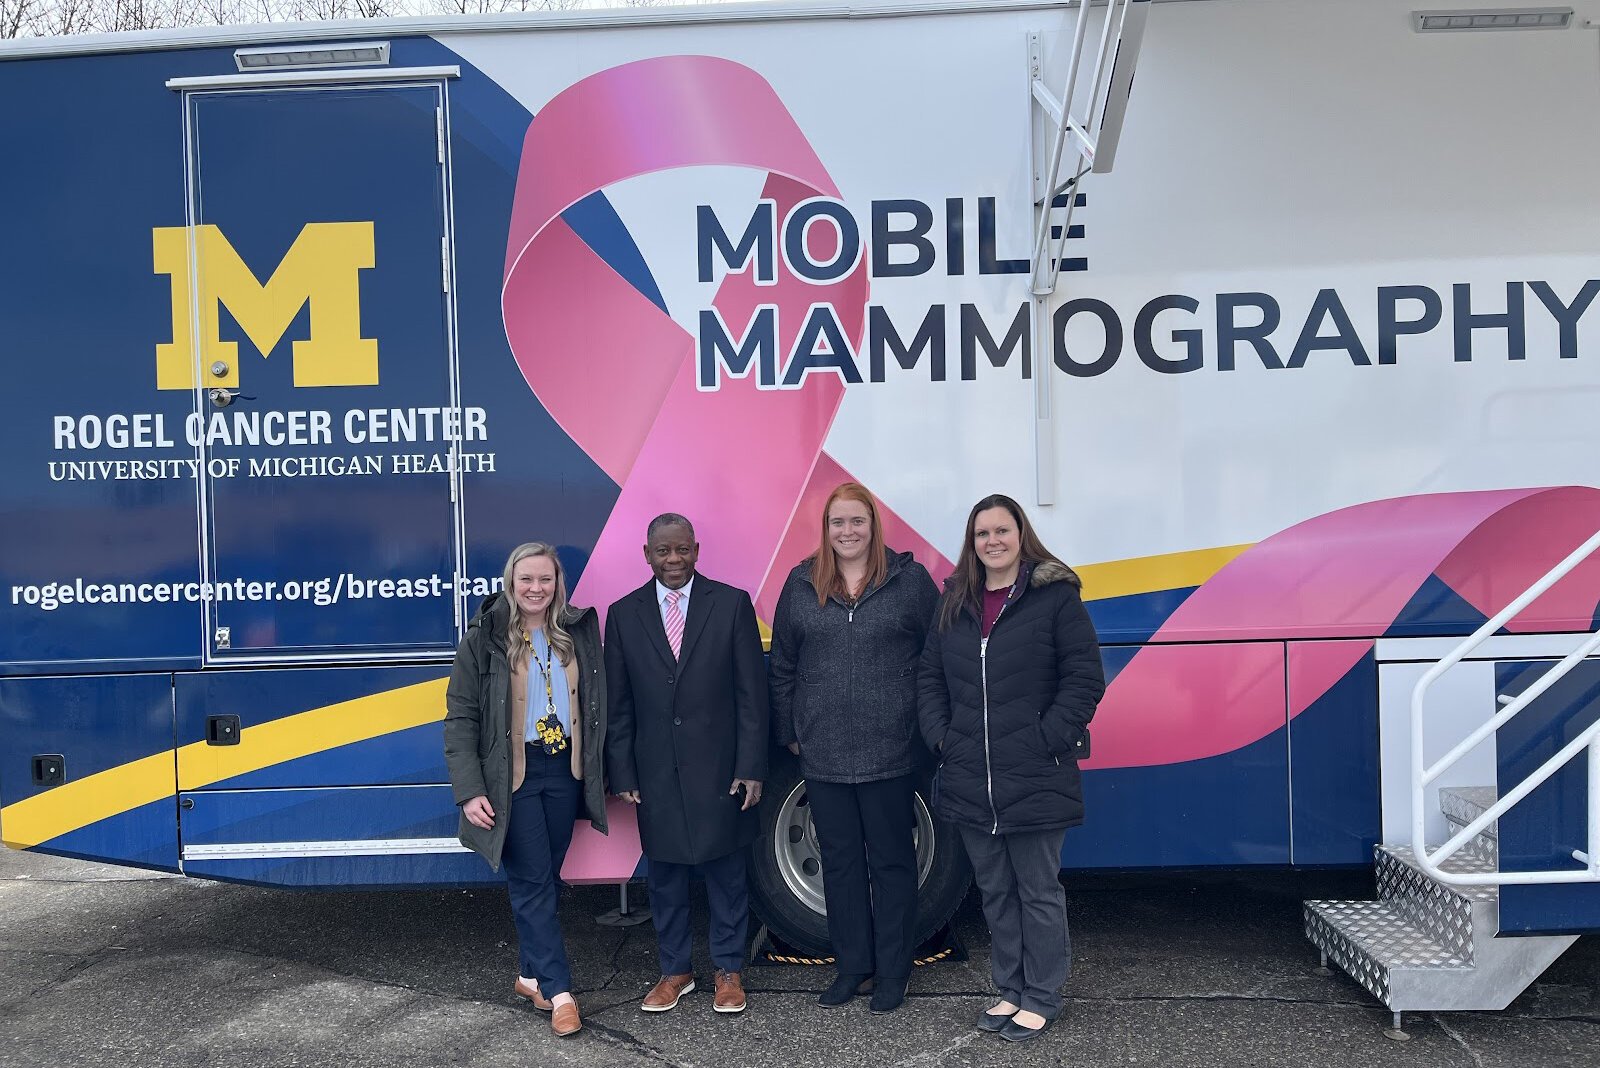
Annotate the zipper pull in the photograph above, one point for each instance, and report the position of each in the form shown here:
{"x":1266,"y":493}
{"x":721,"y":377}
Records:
{"x":983,"y":646}
{"x":852,"y":616}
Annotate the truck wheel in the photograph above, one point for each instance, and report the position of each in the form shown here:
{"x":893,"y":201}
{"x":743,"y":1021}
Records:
{"x":786,"y":865}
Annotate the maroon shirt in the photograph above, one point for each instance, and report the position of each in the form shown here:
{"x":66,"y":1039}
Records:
{"x":993,"y":602}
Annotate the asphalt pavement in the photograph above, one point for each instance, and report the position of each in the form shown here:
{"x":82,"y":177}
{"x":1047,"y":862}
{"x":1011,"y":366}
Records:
{"x":110,"y":967}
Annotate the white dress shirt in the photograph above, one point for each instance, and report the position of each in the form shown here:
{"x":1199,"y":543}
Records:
{"x":683,"y":602}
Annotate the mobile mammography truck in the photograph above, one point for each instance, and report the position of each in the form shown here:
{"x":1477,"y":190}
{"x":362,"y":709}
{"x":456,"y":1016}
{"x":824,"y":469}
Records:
{"x":306,"y":326}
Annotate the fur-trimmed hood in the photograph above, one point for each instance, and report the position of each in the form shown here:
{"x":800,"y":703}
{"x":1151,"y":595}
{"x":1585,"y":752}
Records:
{"x":1050,"y":571}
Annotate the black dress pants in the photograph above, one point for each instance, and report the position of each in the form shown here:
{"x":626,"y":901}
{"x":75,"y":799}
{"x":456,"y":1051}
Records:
{"x":869,"y":873}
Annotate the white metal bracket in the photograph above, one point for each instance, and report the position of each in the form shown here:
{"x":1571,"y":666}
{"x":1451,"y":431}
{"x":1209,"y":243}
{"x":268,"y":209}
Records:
{"x":1069,"y":141}
{"x":1064,"y":145}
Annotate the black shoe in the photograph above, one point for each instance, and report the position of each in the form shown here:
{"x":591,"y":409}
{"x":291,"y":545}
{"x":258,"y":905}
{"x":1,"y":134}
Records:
{"x":993,"y":1022}
{"x":888,"y":994}
{"x":843,"y":989}
{"x":1015,"y":1032}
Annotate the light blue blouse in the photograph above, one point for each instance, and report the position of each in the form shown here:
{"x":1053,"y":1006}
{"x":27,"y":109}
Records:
{"x":538,"y":707}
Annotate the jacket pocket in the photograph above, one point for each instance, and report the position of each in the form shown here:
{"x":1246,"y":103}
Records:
{"x":1045,"y":748}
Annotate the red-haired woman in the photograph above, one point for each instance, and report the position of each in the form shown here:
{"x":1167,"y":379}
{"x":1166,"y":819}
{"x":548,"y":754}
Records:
{"x":1009,"y":681}
{"x":848,"y":630}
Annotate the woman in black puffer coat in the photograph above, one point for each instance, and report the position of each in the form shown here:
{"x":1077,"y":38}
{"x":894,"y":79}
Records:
{"x":1009,"y":680}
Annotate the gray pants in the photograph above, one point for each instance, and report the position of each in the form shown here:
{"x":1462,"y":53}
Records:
{"x":1019,"y":878}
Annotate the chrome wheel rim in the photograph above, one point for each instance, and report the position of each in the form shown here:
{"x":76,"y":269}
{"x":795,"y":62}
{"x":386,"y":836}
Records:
{"x":799,"y":857}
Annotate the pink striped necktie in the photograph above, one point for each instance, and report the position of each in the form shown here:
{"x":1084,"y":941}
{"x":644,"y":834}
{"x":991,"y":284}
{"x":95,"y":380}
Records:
{"x":674,"y":621}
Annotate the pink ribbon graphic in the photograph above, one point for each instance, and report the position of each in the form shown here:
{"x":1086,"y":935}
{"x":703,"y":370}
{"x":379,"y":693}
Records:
{"x":746,"y":465}
{"x":1350,"y":574}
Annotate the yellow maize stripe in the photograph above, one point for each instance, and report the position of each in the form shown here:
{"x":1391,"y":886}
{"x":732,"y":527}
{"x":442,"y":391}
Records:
{"x":1151,"y":574}
{"x":1121,"y":578}
{"x":77,"y":804}
{"x":309,"y":732}
{"x":116,"y":790}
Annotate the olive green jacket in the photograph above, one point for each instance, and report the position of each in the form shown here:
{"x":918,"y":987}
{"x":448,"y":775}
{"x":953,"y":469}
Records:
{"x":478,"y":733}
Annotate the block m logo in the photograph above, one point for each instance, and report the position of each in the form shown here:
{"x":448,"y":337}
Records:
{"x":321,"y":268}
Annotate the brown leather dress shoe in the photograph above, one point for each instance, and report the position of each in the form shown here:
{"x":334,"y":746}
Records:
{"x":564,"y":1019}
{"x":523,"y":990}
{"x":730,"y":992}
{"x":665,"y":994}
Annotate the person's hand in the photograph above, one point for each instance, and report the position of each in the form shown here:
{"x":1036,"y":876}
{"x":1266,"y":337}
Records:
{"x":794,"y":747}
{"x":752,"y":792}
{"x":479,"y":813}
{"x":630,"y":796}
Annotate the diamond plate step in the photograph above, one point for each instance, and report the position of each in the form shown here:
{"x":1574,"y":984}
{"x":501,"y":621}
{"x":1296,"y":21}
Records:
{"x":1425,"y":945}
{"x":1463,"y":804}
{"x":1447,"y":914}
{"x":1371,"y":940}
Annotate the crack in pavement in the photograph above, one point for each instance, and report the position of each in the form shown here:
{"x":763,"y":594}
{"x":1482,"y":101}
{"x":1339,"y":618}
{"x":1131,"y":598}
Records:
{"x":937,"y":1056}
{"x":629,"y":1041}
{"x":616,"y":967}
{"x":1456,"y":1037}
{"x":76,"y":968}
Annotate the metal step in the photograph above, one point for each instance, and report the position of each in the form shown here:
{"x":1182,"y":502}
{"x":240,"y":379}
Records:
{"x":1424,"y":945}
{"x":1371,"y":940}
{"x":1463,"y":804}
{"x":1447,"y":914}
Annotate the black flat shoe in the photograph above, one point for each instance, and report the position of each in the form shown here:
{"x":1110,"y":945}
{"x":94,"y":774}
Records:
{"x":1015,"y":1032}
{"x":843,"y":989}
{"x":888,"y":994}
{"x":993,"y":1022}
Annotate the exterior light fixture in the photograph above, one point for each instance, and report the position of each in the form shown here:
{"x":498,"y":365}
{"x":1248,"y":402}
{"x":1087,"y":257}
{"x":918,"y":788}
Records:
{"x":1506,"y":18}
{"x":355,"y":54}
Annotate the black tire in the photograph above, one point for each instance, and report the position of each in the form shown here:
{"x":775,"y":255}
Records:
{"x":797,"y":916}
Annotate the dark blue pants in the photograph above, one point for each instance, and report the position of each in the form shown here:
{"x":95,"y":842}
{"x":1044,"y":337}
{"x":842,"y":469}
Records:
{"x":869,"y":873}
{"x":730,"y":912}
{"x":542,"y":813}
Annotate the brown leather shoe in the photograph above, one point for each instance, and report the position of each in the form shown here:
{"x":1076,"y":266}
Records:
{"x":564,"y":1019}
{"x":730,"y":992}
{"x":523,"y":990}
{"x":665,"y":994}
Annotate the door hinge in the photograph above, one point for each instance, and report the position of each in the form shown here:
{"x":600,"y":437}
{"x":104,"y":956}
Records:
{"x":444,"y":263}
{"x":438,"y":125}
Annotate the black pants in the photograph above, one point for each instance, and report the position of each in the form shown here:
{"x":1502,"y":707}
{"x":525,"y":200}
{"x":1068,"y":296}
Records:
{"x":869,"y":873}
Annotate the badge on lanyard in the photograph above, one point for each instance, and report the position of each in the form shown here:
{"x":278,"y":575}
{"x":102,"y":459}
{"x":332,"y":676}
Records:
{"x":548,"y":727}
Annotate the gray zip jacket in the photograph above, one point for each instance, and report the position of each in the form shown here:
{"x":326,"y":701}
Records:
{"x":844,"y":678}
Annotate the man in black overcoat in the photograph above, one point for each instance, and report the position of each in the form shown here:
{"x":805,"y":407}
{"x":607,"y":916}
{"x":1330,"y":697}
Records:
{"x":686,"y":742}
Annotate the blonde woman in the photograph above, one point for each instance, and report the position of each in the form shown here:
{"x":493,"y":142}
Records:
{"x":524,"y":737}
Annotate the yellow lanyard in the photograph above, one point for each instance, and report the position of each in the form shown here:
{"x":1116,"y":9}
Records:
{"x":544,"y":669}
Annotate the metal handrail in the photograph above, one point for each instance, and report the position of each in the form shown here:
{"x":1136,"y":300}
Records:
{"x":1424,"y":774}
